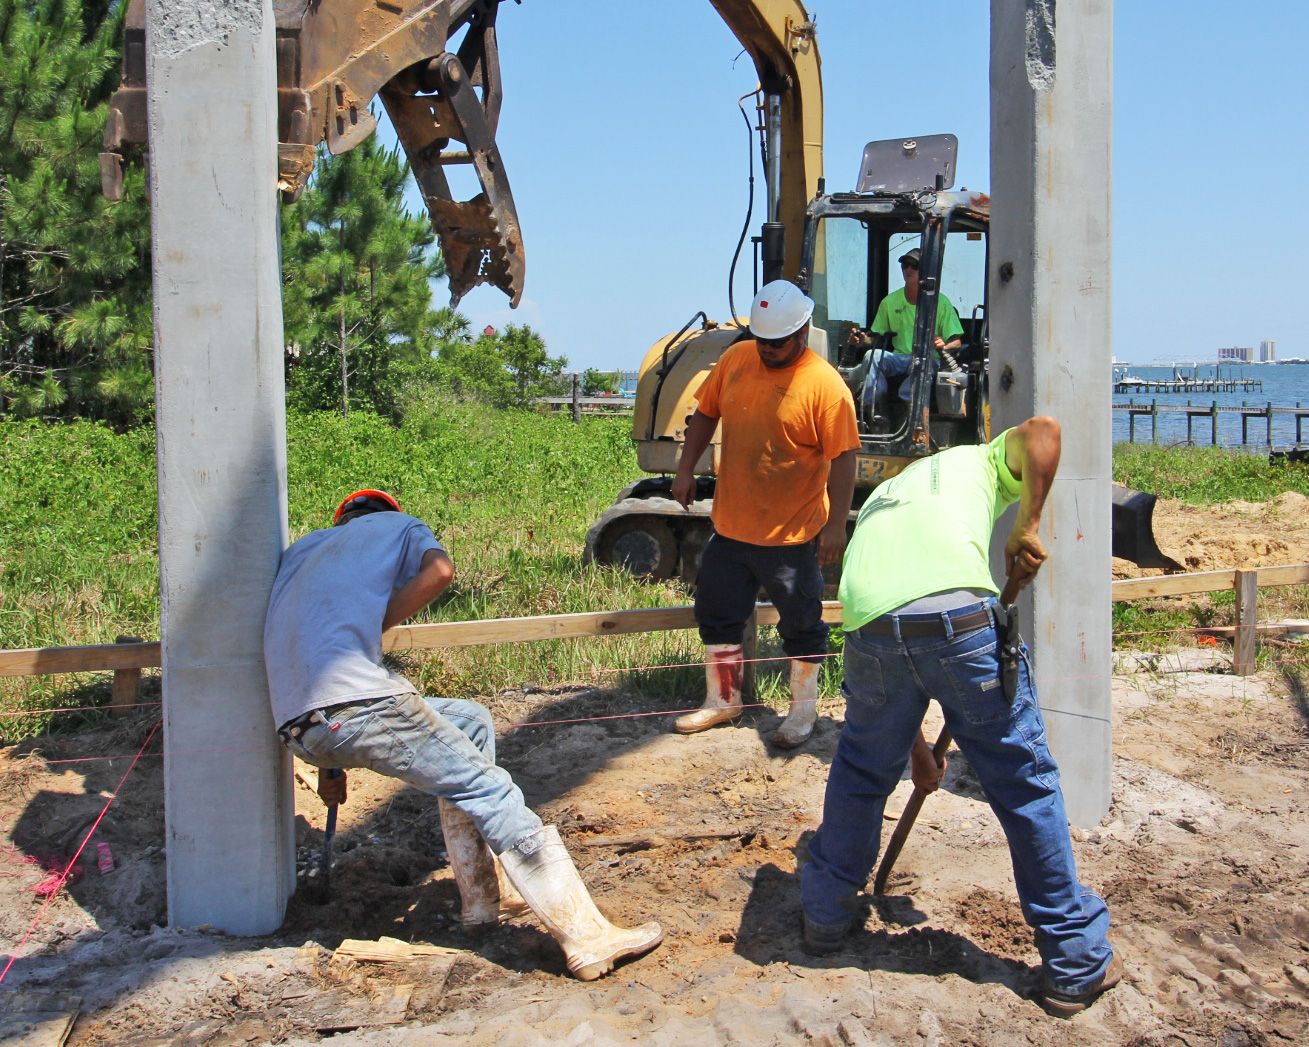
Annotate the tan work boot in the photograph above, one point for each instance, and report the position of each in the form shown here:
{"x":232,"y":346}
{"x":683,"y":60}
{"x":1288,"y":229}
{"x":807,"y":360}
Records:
{"x":487,"y":897}
{"x":723,"y":668}
{"x":799,"y":723}
{"x":548,"y":880}
{"x":1065,"y":1005}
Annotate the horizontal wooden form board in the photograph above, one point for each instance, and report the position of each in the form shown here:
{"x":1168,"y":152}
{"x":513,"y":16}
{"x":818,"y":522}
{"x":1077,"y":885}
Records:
{"x":1204,"y":582}
{"x":41,"y":661}
{"x":561,"y":626}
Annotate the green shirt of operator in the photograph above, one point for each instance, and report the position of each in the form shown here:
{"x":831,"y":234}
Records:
{"x":898,"y":313}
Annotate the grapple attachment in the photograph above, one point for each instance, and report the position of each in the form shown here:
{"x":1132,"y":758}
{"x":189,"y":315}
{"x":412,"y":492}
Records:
{"x":333,"y":58}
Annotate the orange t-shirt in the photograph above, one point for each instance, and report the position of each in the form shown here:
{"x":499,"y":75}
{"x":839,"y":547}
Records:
{"x":780,"y":431}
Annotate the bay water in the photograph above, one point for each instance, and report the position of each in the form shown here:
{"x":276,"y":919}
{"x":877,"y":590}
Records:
{"x":1282,"y":385}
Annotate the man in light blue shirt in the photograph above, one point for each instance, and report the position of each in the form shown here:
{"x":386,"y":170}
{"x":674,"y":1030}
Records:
{"x":337,"y":706}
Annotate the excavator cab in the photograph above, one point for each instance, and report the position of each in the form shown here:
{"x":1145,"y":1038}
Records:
{"x":901,"y":202}
{"x":911,"y":399}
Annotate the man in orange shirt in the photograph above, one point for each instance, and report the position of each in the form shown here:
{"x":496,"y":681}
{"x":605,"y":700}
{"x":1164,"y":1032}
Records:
{"x":785,"y":480}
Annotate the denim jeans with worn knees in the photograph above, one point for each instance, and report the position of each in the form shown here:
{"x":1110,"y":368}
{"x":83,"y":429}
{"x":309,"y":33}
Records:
{"x":888,"y":682}
{"x":442,"y":746}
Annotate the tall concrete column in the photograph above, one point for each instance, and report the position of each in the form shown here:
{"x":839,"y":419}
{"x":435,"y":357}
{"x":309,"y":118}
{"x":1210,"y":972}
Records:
{"x":1051,"y":108}
{"x":221,"y":456}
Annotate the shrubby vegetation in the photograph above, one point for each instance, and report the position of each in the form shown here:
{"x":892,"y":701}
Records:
{"x":511,"y":493}
{"x":75,"y":324}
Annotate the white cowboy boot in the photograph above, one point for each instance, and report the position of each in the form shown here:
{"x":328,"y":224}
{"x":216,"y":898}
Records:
{"x":799,"y":723}
{"x":487,"y":896}
{"x":723,"y":667}
{"x":548,"y":880}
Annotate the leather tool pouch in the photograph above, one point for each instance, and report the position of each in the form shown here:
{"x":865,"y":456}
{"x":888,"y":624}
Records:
{"x":1011,"y":643}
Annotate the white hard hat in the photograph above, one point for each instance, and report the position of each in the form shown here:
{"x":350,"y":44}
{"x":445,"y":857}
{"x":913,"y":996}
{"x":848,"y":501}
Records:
{"x":779,"y":309}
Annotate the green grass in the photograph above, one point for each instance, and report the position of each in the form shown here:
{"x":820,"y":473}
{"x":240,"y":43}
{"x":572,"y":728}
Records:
{"x":1207,"y":475}
{"x":510,"y":494}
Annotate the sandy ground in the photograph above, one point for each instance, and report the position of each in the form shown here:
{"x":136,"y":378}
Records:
{"x":1204,"y":859}
{"x":1236,"y":534}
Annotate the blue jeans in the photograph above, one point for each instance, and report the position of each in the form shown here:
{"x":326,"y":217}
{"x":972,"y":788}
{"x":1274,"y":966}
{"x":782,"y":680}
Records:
{"x":730,"y":577}
{"x":887,"y":685}
{"x":442,"y":746}
{"x":888,"y":365}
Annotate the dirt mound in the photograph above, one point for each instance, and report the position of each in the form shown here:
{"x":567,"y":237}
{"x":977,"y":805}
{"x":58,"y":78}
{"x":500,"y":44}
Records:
{"x":1233,"y":535}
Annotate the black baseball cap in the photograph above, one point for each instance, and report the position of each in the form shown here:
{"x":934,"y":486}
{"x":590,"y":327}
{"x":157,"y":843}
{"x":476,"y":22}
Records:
{"x":910,"y":258}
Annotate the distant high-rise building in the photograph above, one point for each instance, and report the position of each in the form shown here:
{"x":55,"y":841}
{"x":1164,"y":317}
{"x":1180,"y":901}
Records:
{"x":1241,"y":354}
{"x":1268,"y":351}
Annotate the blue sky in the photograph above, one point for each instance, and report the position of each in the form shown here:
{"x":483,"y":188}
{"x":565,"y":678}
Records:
{"x":627,"y":155}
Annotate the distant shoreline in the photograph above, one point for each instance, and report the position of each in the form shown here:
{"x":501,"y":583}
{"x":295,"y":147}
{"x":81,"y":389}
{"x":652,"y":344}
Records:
{"x":1293,"y":362}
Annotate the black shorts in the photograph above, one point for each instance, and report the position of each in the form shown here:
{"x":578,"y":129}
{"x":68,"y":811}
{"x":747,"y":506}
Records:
{"x":731,"y":575}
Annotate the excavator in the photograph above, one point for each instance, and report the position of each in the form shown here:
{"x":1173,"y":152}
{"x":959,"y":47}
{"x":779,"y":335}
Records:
{"x":444,"y":99}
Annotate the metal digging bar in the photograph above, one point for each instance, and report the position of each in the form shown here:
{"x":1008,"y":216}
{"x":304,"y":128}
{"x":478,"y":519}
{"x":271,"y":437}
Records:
{"x":915,"y":804}
{"x":332,"y":60}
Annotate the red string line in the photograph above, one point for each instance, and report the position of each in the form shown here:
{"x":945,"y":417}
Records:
{"x":63,"y":877}
{"x":633,"y":716}
{"x":595,"y":672}
{"x":528,"y":723}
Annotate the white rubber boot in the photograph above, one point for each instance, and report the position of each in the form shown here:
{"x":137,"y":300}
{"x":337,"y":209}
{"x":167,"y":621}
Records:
{"x":486,"y":895}
{"x":723,"y":668}
{"x":799,"y":723}
{"x":548,"y":880}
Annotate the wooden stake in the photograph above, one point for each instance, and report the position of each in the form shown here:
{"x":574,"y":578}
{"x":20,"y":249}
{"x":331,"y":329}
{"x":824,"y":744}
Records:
{"x":127,"y":684}
{"x":1247,"y":613}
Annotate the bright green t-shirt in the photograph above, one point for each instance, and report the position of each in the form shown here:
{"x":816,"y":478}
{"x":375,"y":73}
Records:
{"x":927,"y":530}
{"x":896,"y":317}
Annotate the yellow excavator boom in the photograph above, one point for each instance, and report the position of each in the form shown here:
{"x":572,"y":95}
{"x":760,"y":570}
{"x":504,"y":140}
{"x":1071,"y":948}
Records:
{"x":779,"y":35}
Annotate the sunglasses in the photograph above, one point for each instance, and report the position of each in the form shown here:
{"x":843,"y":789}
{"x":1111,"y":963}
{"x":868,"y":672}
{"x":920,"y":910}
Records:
{"x":775,"y":343}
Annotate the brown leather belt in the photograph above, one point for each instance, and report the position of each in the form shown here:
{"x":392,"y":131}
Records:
{"x":933,"y":626}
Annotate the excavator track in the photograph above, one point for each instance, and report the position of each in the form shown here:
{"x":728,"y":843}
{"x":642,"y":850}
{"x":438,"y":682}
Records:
{"x":651,"y":537}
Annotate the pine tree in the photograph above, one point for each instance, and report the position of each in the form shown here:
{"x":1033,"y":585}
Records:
{"x":356,"y":269}
{"x":75,"y":325}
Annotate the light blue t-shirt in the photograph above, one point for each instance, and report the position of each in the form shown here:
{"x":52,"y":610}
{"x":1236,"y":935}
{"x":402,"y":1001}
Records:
{"x":323,"y":633}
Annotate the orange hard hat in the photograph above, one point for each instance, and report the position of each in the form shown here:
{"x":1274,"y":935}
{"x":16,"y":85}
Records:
{"x":359,"y":499}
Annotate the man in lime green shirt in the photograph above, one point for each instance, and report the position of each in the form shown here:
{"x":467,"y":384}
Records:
{"x":898,"y":313}
{"x":920,"y":620}
{"x":894,"y":321}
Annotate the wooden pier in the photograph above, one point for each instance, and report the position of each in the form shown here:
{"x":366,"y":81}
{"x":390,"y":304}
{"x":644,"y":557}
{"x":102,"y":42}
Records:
{"x":1247,"y":413}
{"x":1179,"y":384}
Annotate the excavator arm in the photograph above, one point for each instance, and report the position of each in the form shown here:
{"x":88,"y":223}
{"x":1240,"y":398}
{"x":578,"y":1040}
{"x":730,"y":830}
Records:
{"x":333,"y":58}
{"x":779,"y":36}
